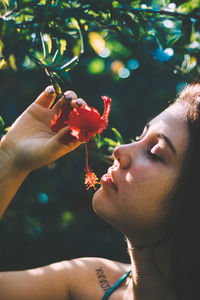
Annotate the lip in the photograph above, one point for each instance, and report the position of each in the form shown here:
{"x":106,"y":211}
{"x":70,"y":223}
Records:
{"x":107,"y":180}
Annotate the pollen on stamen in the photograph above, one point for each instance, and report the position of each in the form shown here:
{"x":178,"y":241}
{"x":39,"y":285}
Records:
{"x":91,"y":180}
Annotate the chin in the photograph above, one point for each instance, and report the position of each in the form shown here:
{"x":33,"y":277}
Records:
{"x":97,"y":199}
{"x":103,"y":207}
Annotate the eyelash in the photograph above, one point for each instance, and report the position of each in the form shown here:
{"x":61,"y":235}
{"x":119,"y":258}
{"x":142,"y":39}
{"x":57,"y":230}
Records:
{"x":153,"y":156}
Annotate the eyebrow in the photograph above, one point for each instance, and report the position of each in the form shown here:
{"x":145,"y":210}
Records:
{"x":165,"y":138}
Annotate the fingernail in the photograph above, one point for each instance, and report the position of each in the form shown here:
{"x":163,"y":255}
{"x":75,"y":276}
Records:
{"x":50,"y":90}
{"x":78,"y":102}
{"x":68,"y":96}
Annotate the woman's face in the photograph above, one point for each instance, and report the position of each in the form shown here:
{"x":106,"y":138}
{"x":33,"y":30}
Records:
{"x":135,"y":194}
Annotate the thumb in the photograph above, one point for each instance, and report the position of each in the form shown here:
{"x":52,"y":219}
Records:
{"x":64,"y":137}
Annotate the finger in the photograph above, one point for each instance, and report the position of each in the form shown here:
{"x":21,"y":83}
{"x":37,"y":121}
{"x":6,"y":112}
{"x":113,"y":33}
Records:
{"x":78,"y":103}
{"x":67,"y":98}
{"x":64,"y":137}
{"x":70,"y":95}
{"x":47,"y":97}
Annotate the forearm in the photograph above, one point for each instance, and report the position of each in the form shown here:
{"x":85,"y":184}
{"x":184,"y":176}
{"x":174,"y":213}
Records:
{"x":10,"y":180}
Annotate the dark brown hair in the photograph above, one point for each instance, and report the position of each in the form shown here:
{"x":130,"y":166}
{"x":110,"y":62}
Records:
{"x":185,"y":250}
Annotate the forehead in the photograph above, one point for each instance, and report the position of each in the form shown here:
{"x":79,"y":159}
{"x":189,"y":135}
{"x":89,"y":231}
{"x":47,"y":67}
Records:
{"x":173,"y":123}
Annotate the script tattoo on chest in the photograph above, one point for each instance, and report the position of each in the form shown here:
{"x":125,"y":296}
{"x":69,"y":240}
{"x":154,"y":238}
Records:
{"x":102,"y":280}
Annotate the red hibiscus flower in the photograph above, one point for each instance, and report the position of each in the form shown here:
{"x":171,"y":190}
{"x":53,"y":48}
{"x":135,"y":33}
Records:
{"x":84,"y":122}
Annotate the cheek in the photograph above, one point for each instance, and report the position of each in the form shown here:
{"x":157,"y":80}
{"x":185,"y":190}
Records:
{"x":141,"y":172}
{"x":147,"y":194}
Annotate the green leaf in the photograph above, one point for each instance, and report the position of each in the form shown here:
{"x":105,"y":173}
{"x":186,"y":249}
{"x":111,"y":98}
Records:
{"x":173,"y":39}
{"x":58,"y":62}
{"x":46,"y":44}
{"x":63,"y":44}
{"x":1,"y":123}
{"x":54,"y":78}
{"x":67,"y":66}
{"x":98,"y":141}
{"x":63,"y":76}
{"x":57,"y":58}
{"x":57,"y":87}
{"x":78,"y":26}
{"x":110,"y":142}
{"x":132,"y":24}
{"x":55,"y":46}
{"x":188,"y":63}
{"x":3,"y":8}
{"x":118,"y":136}
{"x":81,"y":39}
{"x":6,"y":2}
{"x":71,"y":64}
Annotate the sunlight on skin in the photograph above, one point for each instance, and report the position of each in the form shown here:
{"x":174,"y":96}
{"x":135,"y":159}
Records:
{"x":80,"y":262}
{"x":57,"y":267}
{"x":36,"y":272}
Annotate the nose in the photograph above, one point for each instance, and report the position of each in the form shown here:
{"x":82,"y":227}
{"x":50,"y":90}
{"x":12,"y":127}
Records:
{"x":123,"y":155}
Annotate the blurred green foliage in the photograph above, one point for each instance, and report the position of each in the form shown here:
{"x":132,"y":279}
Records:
{"x":139,"y":53}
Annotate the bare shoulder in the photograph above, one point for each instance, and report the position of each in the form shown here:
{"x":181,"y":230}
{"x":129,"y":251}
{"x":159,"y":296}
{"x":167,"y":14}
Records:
{"x":93,"y":276}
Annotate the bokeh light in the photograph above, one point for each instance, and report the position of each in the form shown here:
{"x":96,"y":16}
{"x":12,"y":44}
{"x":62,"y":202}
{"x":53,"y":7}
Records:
{"x":97,"y":42}
{"x":133,"y":64}
{"x":180,"y":85}
{"x":194,"y":45}
{"x":124,"y":73}
{"x":116,"y":66}
{"x":96,"y":66}
{"x":143,"y":6}
{"x":104,"y":53}
{"x":26,"y":62}
{"x":168,"y":24}
{"x":43,"y":198}
{"x":169,"y":51}
{"x":171,"y":6}
{"x":67,"y":217}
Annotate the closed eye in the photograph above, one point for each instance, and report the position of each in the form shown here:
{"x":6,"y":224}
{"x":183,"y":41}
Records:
{"x":154,"y":157}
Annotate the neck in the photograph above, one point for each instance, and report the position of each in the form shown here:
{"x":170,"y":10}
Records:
{"x":150,"y":271}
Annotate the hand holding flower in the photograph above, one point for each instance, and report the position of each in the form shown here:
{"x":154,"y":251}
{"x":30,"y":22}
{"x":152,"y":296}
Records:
{"x":30,"y":143}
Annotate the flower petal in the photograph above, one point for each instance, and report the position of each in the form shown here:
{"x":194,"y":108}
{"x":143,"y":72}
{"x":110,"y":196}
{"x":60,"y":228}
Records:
{"x":84,"y":122}
{"x":60,"y":120}
{"x":107,"y":106}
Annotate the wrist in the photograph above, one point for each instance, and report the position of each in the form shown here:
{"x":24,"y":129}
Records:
{"x":10,"y":179}
{"x":8,"y":167}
